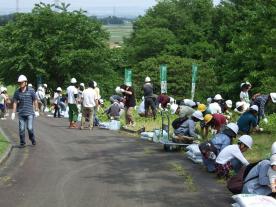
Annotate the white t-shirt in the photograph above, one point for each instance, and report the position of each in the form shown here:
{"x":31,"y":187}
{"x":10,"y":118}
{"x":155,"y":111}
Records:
{"x":56,"y":96}
{"x":2,"y":99}
{"x":89,"y":98}
{"x":230,"y":152}
{"x":244,"y":96}
{"x":215,"y":108}
{"x":72,"y":91}
{"x":97,"y":90}
{"x":40,"y":95}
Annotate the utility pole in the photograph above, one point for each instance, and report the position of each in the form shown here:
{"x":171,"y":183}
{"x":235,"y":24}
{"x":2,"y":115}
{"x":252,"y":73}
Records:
{"x":114,"y":11}
{"x":17,"y":6}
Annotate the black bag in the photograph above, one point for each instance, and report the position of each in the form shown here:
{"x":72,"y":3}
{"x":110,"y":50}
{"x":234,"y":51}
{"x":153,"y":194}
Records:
{"x":236,"y":182}
{"x":177,"y":122}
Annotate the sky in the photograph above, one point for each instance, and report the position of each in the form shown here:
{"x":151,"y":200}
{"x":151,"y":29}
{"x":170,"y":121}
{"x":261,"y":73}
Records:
{"x":93,"y":7}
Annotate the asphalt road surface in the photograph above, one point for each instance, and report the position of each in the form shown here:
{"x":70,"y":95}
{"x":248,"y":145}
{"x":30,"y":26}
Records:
{"x":101,"y":168}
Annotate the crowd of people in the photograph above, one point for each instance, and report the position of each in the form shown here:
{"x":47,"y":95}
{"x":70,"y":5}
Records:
{"x":220,"y":155}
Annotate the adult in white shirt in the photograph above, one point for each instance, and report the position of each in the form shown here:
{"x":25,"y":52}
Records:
{"x":72,"y":95}
{"x":214,"y":108}
{"x":98,"y":97}
{"x":89,"y":102}
{"x":231,"y":157}
{"x":40,"y":94}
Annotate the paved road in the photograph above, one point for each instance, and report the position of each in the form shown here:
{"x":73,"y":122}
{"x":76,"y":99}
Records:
{"x":73,"y":168}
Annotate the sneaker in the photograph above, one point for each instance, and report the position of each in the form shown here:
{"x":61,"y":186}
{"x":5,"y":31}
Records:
{"x":22,"y":146}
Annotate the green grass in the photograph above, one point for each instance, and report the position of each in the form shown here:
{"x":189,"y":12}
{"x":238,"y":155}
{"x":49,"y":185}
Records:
{"x":188,"y":179}
{"x":118,"y":32}
{"x":3,"y":144}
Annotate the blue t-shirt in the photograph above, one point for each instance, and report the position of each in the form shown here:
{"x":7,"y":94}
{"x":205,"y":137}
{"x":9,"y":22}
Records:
{"x":25,"y":101}
{"x":246,"y":121}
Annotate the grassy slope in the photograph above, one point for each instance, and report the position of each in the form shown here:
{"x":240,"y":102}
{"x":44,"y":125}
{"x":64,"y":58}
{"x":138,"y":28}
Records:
{"x":262,"y":141}
{"x":3,"y":144}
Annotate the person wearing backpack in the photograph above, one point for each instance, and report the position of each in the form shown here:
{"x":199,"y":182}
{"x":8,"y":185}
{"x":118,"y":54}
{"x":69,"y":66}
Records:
{"x":261,"y":178}
{"x":187,"y":128}
{"x":231,"y":157}
{"x":211,"y":149}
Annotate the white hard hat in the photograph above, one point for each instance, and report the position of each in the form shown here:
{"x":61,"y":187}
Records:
{"x":255,"y":108}
{"x":59,"y":89}
{"x":273,"y":97}
{"x":172,"y":100}
{"x":239,"y":104}
{"x":45,"y":85}
{"x":82,"y":84}
{"x":273,"y":148}
{"x":273,"y":160}
{"x":30,"y":85}
{"x":22,"y":78}
{"x":40,"y":88}
{"x":229,"y":103}
{"x":242,"y":84}
{"x":2,"y":89}
{"x":173,"y":108}
{"x":209,"y":100}
{"x":118,"y":90}
{"x":198,"y":115}
{"x":147,"y":79}
{"x":189,"y":102}
{"x":217,"y":97}
{"x":247,"y":140}
{"x":233,"y":126}
{"x":95,"y":84}
{"x":73,"y":80}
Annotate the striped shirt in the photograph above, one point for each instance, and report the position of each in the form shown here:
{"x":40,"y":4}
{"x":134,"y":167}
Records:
{"x":261,"y":101}
{"x":25,"y":101}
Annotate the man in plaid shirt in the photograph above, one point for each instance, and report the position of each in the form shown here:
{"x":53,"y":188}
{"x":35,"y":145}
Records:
{"x":261,"y":101}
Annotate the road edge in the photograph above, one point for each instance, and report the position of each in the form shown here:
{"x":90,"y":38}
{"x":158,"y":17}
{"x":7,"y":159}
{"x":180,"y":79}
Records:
{"x":7,"y":153}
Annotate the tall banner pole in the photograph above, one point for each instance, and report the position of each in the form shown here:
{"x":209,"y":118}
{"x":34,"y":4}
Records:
{"x":128,"y":76}
{"x":194,"y":74}
{"x":163,"y":78}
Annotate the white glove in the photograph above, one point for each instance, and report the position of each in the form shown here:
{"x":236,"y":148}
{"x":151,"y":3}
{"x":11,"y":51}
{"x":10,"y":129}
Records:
{"x":265,"y":120}
{"x":12,"y":116}
{"x":36,"y":114}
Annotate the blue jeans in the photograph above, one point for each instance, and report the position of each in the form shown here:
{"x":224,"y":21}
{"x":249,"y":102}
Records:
{"x":209,"y":163}
{"x":26,"y":121}
{"x":96,"y":119}
{"x":236,"y":164}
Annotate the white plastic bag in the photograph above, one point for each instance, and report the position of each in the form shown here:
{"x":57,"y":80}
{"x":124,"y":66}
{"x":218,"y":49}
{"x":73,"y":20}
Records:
{"x":114,"y":125}
{"x":251,"y":200}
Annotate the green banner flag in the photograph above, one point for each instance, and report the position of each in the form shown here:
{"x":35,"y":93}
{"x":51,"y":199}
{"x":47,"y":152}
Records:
{"x":128,"y":77}
{"x":163,"y":78}
{"x":194,"y":76}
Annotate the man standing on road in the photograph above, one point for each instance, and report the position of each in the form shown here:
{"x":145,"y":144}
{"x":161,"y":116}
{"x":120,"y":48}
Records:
{"x":24,"y":99}
{"x":149,"y":98}
{"x":72,"y":95}
{"x":89,"y":102}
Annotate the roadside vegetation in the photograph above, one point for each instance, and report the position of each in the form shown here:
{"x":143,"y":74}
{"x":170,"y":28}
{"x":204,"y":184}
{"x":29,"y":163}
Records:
{"x":3,"y":144}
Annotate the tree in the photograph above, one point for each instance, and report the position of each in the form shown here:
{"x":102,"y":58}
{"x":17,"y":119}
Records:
{"x":55,"y":45}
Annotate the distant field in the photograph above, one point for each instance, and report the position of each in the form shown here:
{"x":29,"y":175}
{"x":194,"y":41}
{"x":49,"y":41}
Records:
{"x":118,"y":32}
